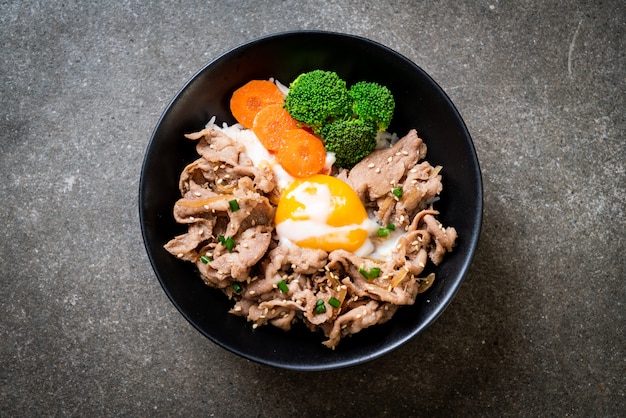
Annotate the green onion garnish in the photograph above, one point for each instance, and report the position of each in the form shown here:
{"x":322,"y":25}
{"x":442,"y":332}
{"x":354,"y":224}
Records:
{"x":320,"y":307}
{"x":234,"y":206}
{"x":383,"y":232}
{"x":334,"y":302}
{"x":397,"y":192}
{"x":391,"y":227}
{"x":227,"y":242}
{"x":205,"y":259}
{"x":237,"y":287}
{"x":373,"y":273}
{"x":282,"y":285}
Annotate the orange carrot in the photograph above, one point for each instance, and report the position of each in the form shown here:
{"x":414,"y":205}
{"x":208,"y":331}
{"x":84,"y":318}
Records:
{"x":271,"y":123}
{"x":250,"y":98}
{"x":301,"y":154}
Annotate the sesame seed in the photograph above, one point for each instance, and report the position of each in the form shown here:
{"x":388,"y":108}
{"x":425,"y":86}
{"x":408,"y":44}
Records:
{"x":253,"y":222}
{"x":262,"y":316}
{"x":222,"y":166}
{"x":200,"y":232}
{"x":390,"y":159}
{"x":398,"y":153}
{"x":252,"y":293}
{"x":414,"y":170}
{"x":255,"y":326}
{"x":219,"y":181}
{"x":405,"y":152}
{"x":197,"y":194}
{"x":191,"y":218}
{"x":371,"y":165}
{"x":422,"y":265}
{"x":359,"y":316}
{"x":216,"y":168}
{"x":226,"y":176}
{"x":180,"y":255}
{"x":244,"y":245}
{"x":206,"y":207}
{"x":377,"y":170}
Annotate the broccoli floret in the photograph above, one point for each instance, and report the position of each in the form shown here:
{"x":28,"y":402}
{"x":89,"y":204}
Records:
{"x":317,"y":97}
{"x":373,"y":103}
{"x":350,"y":140}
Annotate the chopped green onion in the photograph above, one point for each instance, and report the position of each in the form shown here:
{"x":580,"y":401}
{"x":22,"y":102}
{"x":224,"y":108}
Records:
{"x":397,"y":192}
{"x":383,"y":232}
{"x":237,"y":287}
{"x":282,"y":285}
{"x":205,"y":259}
{"x":373,"y":273}
{"x":334,"y":302}
{"x":320,"y":307}
{"x":391,"y":227}
{"x":227,"y":242}
{"x":234,"y":205}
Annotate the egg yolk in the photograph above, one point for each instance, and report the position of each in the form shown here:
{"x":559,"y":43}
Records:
{"x":322,"y":212}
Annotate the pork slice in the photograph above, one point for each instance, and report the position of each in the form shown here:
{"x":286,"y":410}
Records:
{"x":378,"y":173}
{"x":357,"y":319}
{"x":227,"y":159}
{"x":444,"y":238}
{"x":184,"y":246}
{"x":285,"y":259}
{"x":403,"y":293}
{"x":250,"y":246}
{"x":217,"y":147}
{"x":421,"y":186}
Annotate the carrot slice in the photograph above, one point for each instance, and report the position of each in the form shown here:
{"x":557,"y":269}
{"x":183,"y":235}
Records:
{"x":271,"y":123}
{"x":250,"y":98}
{"x":301,"y":154}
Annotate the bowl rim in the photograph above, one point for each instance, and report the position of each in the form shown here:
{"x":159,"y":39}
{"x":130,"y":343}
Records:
{"x":458,"y":278}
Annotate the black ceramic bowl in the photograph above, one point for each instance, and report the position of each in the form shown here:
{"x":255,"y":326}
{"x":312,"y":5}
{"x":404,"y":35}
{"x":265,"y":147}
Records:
{"x":420,"y":104}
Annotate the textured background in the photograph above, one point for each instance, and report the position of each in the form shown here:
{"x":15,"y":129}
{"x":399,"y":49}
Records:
{"x":538,"y":327}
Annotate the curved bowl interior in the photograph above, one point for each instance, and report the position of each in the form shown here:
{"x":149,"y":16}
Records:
{"x":420,"y":104}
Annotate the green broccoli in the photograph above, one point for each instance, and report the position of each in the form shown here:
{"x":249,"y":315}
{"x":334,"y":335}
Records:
{"x":373,"y":103}
{"x":317,"y":97}
{"x":349,"y":139}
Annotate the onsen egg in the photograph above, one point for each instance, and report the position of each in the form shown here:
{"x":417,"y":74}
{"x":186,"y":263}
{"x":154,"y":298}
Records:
{"x":323,"y":212}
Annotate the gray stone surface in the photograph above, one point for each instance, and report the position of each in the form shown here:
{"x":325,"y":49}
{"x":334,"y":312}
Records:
{"x":537,"y":329}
